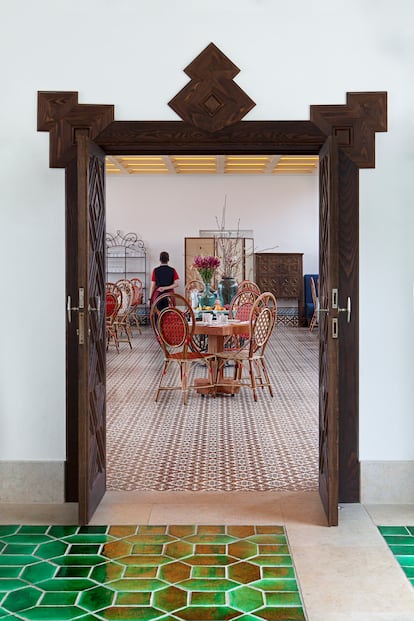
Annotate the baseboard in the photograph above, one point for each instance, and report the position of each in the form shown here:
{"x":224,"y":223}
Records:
{"x":387,"y":482}
{"x":32,"y":481}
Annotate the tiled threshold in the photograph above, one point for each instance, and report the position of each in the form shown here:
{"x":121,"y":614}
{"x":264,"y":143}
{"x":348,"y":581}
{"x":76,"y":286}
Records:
{"x":181,"y":572}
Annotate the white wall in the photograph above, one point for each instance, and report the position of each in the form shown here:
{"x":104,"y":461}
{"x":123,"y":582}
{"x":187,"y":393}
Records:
{"x":132,"y":54}
{"x":281,"y":211}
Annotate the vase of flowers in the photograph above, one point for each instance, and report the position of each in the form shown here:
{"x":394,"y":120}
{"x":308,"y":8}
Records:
{"x":206,"y":266}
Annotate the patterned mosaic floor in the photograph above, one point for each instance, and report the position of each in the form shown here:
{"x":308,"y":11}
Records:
{"x":181,"y":573}
{"x":223,"y":444}
{"x":400,"y":540}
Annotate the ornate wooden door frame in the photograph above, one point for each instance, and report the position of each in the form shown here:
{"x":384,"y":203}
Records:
{"x":211,"y":107}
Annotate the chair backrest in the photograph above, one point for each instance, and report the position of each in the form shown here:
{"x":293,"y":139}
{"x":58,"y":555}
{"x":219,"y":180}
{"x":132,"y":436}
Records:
{"x":174,"y":325}
{"x":193,"y":285}
{"x":127,"y":295}
{"x":313,"y":290}
{"x":112,"y":306}
{"x":249,"y":285}
{"x":170,"y":300}
{"x":262,"y":321}
{"x":242,"y":303}
{"x":138,"y":291}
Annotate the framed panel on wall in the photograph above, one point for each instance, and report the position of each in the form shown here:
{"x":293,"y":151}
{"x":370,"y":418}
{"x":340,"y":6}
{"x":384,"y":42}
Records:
{"x":193,"y":246}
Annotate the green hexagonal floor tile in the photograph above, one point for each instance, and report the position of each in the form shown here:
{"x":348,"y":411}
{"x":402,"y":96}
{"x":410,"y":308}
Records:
{"x":187,"y":572}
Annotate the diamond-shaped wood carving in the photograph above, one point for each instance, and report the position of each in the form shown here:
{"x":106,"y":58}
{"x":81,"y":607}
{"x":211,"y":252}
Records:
{"x":212,"y":100}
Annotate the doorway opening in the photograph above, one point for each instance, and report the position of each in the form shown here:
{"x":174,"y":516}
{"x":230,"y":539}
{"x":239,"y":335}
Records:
{"x":221,"y":444}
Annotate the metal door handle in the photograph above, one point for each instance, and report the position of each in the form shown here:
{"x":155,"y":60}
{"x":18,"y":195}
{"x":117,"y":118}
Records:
{"x":98,"y":307}
{"x":70,"y":308}
{"x":346,"y":310}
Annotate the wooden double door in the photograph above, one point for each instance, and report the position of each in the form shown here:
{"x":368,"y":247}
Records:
{"x":80,"y":138}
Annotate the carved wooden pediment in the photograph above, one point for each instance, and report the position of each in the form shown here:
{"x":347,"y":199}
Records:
{"x":212,"y":100}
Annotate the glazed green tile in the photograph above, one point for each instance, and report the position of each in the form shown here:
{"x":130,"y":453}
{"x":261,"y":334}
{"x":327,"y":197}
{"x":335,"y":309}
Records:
{"x":248,"y":618}
{"x":290,"y":613}
{"x":81,"y":549}
{"x":116,"y":549}
{"x":22,"y":599}
{"x":274,"y":549}
{"x":399,"y":540}
{"x":269,"y":539}
{"x":208,"y":572}
{"x":181,"y":531}
{"x":19,"y":548}
{"x":410,"y":529}
{"x":208,"y":598}
{"x":149,"y":538}
{"x":122,"y":530}
{"x":73,"y":559}
{"x":66,"y":584}
{"x":206,"y":559}
{"x":33,"y":528}
{"x":246,"y":599}
{"x":270,"y":573}
{"x":72,"y":572}
{"x":59,"y":598}
{"x":93,"y":529}
{"x":4,"y":613}
{"x":17,"y":559}
{"x":38,"y":572}
{"x":207,"y":613}
{"x":9,"y":572}
{"x":10,"y":584}
{"x":169,"y":599}
{"x":272,"y":529}
{"x":269,"y":561}
{"x":97,"y":598}
{"x":136,"y":598}
{"x":210,"y":548}
{"x":288,"y":584}
{"x":7,"y":529}
{"x":244,"y":572}
{"x":107,"y":572}
{"x":210,"y":529}
{"x":240,"y":532}
{"x":153,"y":529}
{"x":402,"y":550}
{"x":54,"y":613}
{"x":34,"y":538}
{"x":174,"y":572}
{"x":135,"y":613}
{"x":131,"y":584}
{"x":140,"y":572}
{"x":52,"y":549}
{"x":178,"y":549}
{"x":243,"y":549}
{"x":283,"y":598}
{"x":88,"y":538}
{"x":409,"y":571}
{"x":208,"y":584}
{"x":62,"y":531}
{"x":144,"y":559}
{"x":393,"y":530}
{"x":146,"y":548}
{"x":212,"y":538}
{"x":405,"y":561}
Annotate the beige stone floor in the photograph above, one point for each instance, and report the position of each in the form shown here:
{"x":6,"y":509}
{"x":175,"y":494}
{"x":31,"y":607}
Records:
{"x":345,"y":573}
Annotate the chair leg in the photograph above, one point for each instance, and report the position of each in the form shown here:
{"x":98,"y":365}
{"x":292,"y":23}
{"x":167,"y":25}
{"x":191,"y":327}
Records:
{"x":266,"y":374}
{"x":252,"y":379}
{"x":184,"y":381}
{"x":163,"y":373}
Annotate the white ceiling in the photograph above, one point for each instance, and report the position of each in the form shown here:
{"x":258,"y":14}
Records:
{"x":212,"y":164}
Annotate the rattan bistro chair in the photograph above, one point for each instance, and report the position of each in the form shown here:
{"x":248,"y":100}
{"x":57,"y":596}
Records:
{"x":174,"y":326}
{"x":249,"y":360}
{"x":314,"y":321}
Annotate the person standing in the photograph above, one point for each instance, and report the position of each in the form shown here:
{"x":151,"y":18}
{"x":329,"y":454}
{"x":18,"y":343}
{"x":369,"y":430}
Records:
{"x":164,"y":279}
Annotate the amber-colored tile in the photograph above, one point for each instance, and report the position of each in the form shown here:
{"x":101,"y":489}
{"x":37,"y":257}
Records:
{"x":210,"y":549}
{"x":240,"y":531}
{"x":135,"y":598}
{"x":116,"y":549}
{"x":122,"y":531}
{"x":244,"y":572}
{"x":175,"y":572}
{"x":181,"y":531}
{"x":242,"y":549}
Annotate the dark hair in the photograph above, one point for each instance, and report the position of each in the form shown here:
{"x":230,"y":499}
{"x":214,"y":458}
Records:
{"x":164,"y":257}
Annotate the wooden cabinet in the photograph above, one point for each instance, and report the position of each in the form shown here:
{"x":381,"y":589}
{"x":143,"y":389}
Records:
{"x":282,"y":274}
